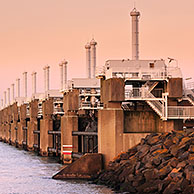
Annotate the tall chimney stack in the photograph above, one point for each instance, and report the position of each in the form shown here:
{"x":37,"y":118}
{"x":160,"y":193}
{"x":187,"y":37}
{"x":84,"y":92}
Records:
{"x":18,"y":87}
{"x":2,"y":105}
{"x":33,"y":82}
{"x":61,"y":75}
{"x":93,"y":44}
{"x":25,"y":84}
{"x":47,"y":78}
{"x":88,"y":60}
{"x":44,"y":78}
{"x":13,"y":92}
{"x":8,"y":96}
{"x":65,"y":74}
{"x":5,"y":99}
{"x":135,"y":34}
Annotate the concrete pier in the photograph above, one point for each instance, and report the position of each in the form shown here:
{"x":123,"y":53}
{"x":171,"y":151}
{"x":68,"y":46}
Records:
{"x":46,"y":125}
{"x":69,"y":123}
{"x":32,"y":124}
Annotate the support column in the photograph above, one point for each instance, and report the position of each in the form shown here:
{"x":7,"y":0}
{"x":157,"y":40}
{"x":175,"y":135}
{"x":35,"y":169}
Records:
{"x":69,"y":143}
{"x":110,"y":133}
{"x":33,"y":124}
{"x":46,"y":125}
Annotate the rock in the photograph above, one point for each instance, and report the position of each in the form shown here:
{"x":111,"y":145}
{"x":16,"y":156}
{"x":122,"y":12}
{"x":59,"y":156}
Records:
{"x":152,"y":140}
{"x":173,"y":187}
{"x":174,"y":150}
{"x":156,"y":147}
{"x":160,"y":152}
{"x":150,"y":174}
{"x":160,"y":163}
{"x":156,"y":161}
{"x":168,"y":142}
{"x":182,"y":164}
{"x":191,"y":149}
{"x":183,"y":156}
{"x":174,"y":162}
{"x":163,"y":172}
{"x":142,"y":151}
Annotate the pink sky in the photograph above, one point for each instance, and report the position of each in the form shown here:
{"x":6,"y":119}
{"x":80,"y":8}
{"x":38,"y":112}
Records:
{"x":39,"y":32}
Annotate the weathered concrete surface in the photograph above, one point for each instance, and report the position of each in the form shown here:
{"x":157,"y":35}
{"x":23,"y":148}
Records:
{"x":69,"y":143}
{"x":112,"y":90}
{"x":32,"y":125}
{"x":110,"y":133}
{"x":83,"y":168}
{"x":20,"y":135}
{"x":13,"y":132}
{"x":46,"y":124}
{"x":71,"y":100}
{"x":45,"y":139}
{"x":175,"y":88}
{"x":148,"y":122}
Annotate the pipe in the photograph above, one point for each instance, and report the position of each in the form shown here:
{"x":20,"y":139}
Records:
{"x":93,"y":44}
{"x":61,"y":75}
{"x":88,"y":60}
{"x":25,"y":84}
{"x":8,"y":96}
{"x":13,"y":92}
{"x":135,"y":34}
{"x":18,"y":87}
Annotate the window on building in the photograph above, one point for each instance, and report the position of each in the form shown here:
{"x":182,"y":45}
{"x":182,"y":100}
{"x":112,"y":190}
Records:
{"x":151,"y":65}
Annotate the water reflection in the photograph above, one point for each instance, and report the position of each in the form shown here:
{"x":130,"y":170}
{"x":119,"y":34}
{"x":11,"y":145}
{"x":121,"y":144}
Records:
{"x":23,"y":172}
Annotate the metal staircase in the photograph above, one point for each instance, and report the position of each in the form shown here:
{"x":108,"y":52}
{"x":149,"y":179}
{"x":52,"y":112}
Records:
{"x":156,"y":105}
{"x":150,"y":85}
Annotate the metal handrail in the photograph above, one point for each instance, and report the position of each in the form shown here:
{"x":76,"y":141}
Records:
{"x":181,"y":111}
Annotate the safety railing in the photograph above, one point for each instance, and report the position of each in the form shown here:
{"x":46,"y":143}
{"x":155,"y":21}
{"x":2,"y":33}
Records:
{"x":56,"y":136}
{"x":181,"y":112}
{"x":146,"y":75}
{"x":88,"y":142}
{"x":139,"y":93}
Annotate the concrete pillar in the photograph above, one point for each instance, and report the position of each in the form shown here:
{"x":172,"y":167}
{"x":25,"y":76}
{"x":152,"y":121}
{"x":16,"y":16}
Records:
{"x":110,"y":133}
{"x":2,"y":104}
{"x":61,"y":75}
{"x":69,"y":143}
{"x":5,"y":98}
{"x":88,"y":60}
{"x":13,"y":92}
{"x":20,"y":134}
{"x":25,"y":84}
{"x":135,"y":34}
{"x":13,"y":132}
{"x":93,"y":44}
{"x":18,"y":87}
{"x":34,"y":83}
{"x":65,"y":74}
{"x":33,"y":124}
{"x":45,"y":139}
{"x":44,"y":78}
{"x":46,"y":124}
{"x":47,"y":78}
{"x":8,"y":96}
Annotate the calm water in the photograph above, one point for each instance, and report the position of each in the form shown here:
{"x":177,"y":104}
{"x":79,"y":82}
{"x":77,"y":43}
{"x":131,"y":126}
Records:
{"x":23,"y":172}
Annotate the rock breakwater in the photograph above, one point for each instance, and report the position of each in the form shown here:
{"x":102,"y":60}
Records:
{"x":160,"y":163}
